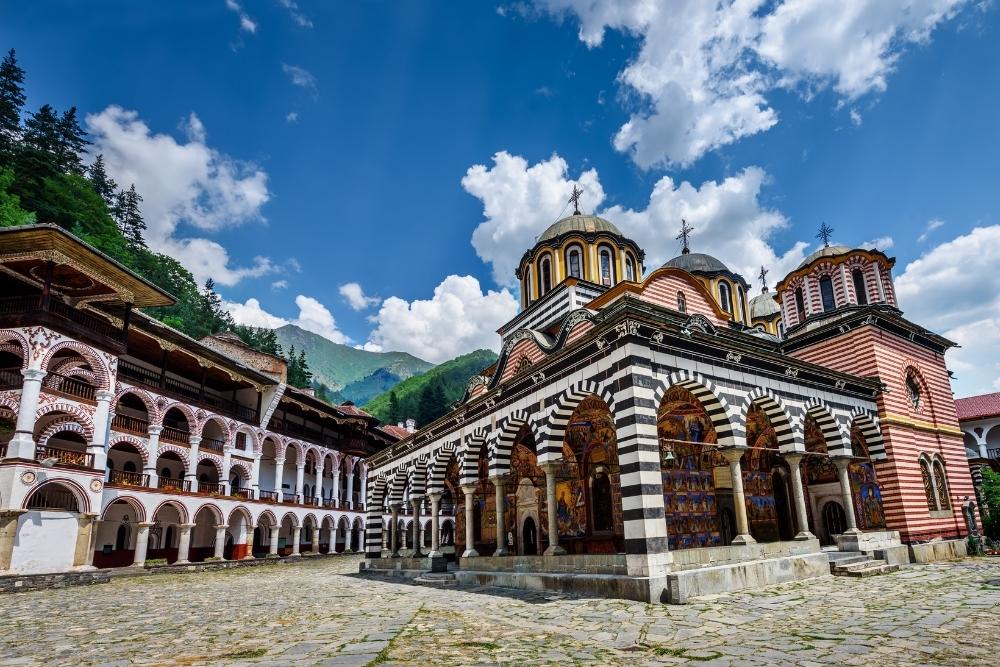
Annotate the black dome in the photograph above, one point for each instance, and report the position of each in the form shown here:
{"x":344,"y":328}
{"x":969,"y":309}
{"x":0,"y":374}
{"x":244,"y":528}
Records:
{"x":697,"y":261}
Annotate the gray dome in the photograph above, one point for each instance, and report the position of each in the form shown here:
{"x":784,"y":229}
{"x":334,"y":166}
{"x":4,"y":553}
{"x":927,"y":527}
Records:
{"x":763,"y":306}
{"x":697,"y":261}
{"x":585,"y":224}
{"x":827,"y":251}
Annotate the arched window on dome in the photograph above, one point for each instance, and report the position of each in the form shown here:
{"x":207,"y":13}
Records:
{"x":629,"y":268}
{"x":726,"y":297}
{"x":607,"y":266}
{"x":826,"y":292}
{"x":545,"y":275}
{"x":781,"y":329}
{"x":860,"y":287}
{"x":681,"y":302}
{"x":800,"y":305}
{"x":739,"y":303}
{"x":574,"y":262}
{"x":527,"y":289}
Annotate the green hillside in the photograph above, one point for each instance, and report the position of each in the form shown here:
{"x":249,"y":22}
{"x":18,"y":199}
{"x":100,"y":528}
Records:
{"x":337,"y":366}
{"x":451,"y":377}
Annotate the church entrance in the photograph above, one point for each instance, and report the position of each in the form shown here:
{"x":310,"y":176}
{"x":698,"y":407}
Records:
{"x":834,"y":519}
{"x":530,"y":537}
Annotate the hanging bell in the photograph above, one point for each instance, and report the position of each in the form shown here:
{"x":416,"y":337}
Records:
{"x":670,"y":458}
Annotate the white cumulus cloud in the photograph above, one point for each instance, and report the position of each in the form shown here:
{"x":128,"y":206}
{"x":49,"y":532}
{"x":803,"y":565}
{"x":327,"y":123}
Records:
{"x":313,"y":316}
{"x":704,"y":69}
{"x":459,"y":318}
{"x":247,"y":24}
{"x":251,"y":314}
{"x":183,"y":182}
{"x":355,"y":296}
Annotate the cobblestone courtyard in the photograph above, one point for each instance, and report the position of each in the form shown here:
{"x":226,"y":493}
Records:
{"x":322,"y":613}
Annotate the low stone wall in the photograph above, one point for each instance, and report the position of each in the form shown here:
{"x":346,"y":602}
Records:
{"x":34,"y":582}
{"x":613,"y":564}
{"x":928,"y":552}
{"x":589,"y":585}
{"x":686,"y":559}
{"x":732,"y":577}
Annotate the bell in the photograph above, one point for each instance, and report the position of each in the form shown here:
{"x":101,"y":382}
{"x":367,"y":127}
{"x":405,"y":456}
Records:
{"x":670,"y":458}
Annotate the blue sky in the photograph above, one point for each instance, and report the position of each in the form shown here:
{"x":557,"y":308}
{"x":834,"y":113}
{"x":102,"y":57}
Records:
{"x":290,"y":149}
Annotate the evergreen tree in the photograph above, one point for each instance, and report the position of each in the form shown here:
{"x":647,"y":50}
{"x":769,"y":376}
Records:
{"x":259,"y":338}
{"x":304,"y":373}
{"x":72,"y":143}
{"x":129,"y":217}
{"x":431,"y":404}
{"x":43,"y":134}
{"x":11,"y":213}
{"x":991,"y":499}
{"x":394,"y":417}
{"x":299,"y":374}
{"x":215,"y":317}
{"x":103,"y":184}
{"x":11,"y":103}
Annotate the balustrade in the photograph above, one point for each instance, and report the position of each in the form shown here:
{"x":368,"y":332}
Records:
{"x":131,"y":424}
{"x":213,"y":444}
{"x":69,"y":386}
{"x":11,"y":378}
{"x":172,"y":434}
{"x":127,"y":478}
{"x":268,"y":496}
{"x":209,"y":488}
{"x":168,"y":484}
{"x":246,"y":494}
{"x":65,"y":457}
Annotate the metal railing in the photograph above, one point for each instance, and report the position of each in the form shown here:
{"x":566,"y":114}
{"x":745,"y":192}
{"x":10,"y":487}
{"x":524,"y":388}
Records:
{"x":11,"y":378}
{"x":170,"y":484}
{"x":212,"y":444}
{"x":246,"y":494}
{"x":130,"y":424}
{"x":127,"y":478}
{"x":330,"y":503}
{"x":65,"y":457}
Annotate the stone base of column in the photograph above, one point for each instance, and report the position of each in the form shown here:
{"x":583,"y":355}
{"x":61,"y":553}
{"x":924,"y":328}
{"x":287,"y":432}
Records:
{"x":741,"y":540}
{"x":502,"y":551}
{"x":83,"y":568}
{"x":853,"y":532}
{"x":470,"y":553}
{"x":554,"y":550}
{"x":805,"y":535}
{"x":181,"y":562}
{"x":21,"y":446}
{"x":437,"y":562}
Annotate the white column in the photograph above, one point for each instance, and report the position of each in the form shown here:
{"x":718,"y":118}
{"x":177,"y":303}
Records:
{"x":733,"y":455}
{"x":417,"y":537}
{"x":184,"y":543}
{"x":435,"y":525}
{"x":470,"y":547}
{"x":248,"y":542}
{"x":141,"y":544}
{"x":98,"y":446}
{"x":255,"y":476}
{"x":279,"y":471}
{"x":296,"y":536}
{"x":364,"y":485}
{"x":154,"y":445}
{"x":394,"y":532}
{"x":319,"y":484}
{"x":227,"y":462}
{"x":802,"y":518}
{"x":22,"y":445}
{"x":550,"y":510}
{"x":192,"y":475}
{"x":220,"y":540}
{"x":336,"y":484}
{"x":842,"y":463}
{"x":502,"y":549}
{"x":272,"y":546}
{"x":350,"y":487}
{"x":315,"y":538}
{"x":300,"y":473}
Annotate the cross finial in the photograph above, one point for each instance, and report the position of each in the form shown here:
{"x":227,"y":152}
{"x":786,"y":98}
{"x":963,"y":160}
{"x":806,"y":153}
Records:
{"x":763,"y":278}
{"x":825,"y":232}
{"x":575,"y":199}
{"x":683,"y":236}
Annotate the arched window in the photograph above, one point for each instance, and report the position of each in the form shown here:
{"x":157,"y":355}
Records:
{"x":860,"y":288}
{"x":739,"y":302}
{"x":607,"y":267}
{"x":629,"y":268}
{"x":681,"y":302}
{"x":527,"y":289}
{"x":545,"y":274}
{"x":941,"y":485}
{"x":913,"y":391}
{"x":574,"y":262}
{"x":800,"y":305}
{"x":925,"y":474}
{"x":826,"y":292}
{"x":781,"y":329}
{"x":726,"y":297}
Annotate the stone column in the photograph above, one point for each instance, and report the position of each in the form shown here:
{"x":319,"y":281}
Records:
{"x":272,"y":546}
{"x":141,"y":544}
{"x":550,"y":509}
{"x":92,"y":547}
{"x":279,"y":472}
{"x":502,"y":549}
{"x":227,"y":463}
{"x":364,"y":486}
{"x":22,"y":444}
{"x":842,"y":463}
{"x":802,"y":518}
{"x":300,"y":476}
{"x":315,"y":538}
{"x":350,"y":488}
{"x":98,"y":446}
{"x":184,"y":543}
{"x":417,"y":536}
{"x":248,"y":542}
{"x":8,"y":535}
{"x":86,"y":527}
{"x":255,"y":477}
{"x":393,"y":532}
{"x":435,"y":525}
{"x":336,"y":484}
{"x":154,"y":445}
{"x":733,"y":455}
{"x":192,"y":474}
{"x":318,"y":492}
{"x":470,"y":548}
{"x":220,"y":541}
{"x":296,"y":536}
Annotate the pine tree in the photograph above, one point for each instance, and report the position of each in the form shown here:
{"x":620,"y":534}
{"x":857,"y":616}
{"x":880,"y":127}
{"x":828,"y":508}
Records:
{"x":72,"y":143}
{"x":103,"y":184}
{"x":11,"y":213}
{"x":11,"y":103}
{"x":393,"y":408}
{"x":43,"y":135}
{"x":305,"y":373}
{"x":130,"y":222}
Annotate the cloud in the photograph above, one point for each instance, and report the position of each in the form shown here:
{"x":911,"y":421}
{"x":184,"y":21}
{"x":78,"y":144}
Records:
{"x":247,"y":24}
{"x":932,"y":224}
{"x":292,"y":117}
{"x":459,"y":318}
{"x":279,"y":284}
{"x":355,"y":296}
{"x":881,"y":243}
{"x":183,"y":182}
{"x":521,"y":200}
{"x":299,"y":76}
{"x":954,"y":289}
{"x":313,"y":316}
{"x":704,"y":70}
{"x":300,"y":19}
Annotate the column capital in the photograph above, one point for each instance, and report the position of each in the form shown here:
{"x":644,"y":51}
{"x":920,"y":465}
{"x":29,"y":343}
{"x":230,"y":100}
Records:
{"x":435,"y":496}
{"x":146,"y":524}
{"x":793,"y":458}
{"x":842,"y":461}
{"x":155,"y":429}
{"x":221,"y":526}
{"x":194,"y":440}
{"x":499,"y":479}
{"x":187,"y":526}
{"x":469,"y":489}
{"x":550,"y":467}
{"x":104,"y":394}
{"x":734,"y":453}
{"x":279,"y":461}
{"x":33,"y":374}
{"x":300,"y":466}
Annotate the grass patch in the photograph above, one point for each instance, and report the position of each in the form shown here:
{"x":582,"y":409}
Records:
{"x":683,"y":653}
{"x":486,"y":646}
{"x":667,"y":650}
{"x":247,"y":653}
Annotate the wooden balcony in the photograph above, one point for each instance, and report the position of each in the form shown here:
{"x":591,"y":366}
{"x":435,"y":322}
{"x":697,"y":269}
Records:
{"x":268,"y":496}
{"x":124,"y":478}
{"x":168,"y":484}
{"x":37,"y":309}
{"x":11,"y":378}
{"x":177,"y":435}
{"x":129,"y":424}
{"x":65,"y":457}
{"x":246,"y":494}
{"x":212,"y":444}
{"x":68,"y":386}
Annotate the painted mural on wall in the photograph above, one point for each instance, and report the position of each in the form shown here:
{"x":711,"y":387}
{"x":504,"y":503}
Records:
{"x":758,"y":485}
{"x":864,"y":486}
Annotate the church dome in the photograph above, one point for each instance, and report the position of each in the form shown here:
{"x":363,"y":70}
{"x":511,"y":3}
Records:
{"x":826,"y":251}
{"x":763,"y":306}
{"x":697,"y":261}
{"x":584,"y":224}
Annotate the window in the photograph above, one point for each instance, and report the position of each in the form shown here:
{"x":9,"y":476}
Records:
{"x":800,"y":305}
{"x":573,"y":257}
{"x":826,"y":291}
{"x":925,"y":474}
{"x":913,"y":391}
{"x":781,"y":329}
{"x":860,"y":288}
{"x":545,"y":274}
{"x":941,"y":485}
{"x":607,"y":270}
{"x":527,"y":289}
{"x":629,"y":268}
{"x":935,"y":484}
{"x":681,"y":302}
{"x":739,"y":301}
{"x":726,"y":298}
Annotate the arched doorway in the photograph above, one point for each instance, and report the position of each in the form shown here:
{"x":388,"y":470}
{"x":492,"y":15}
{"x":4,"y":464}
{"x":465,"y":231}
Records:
{"x":834,"y":519}
{"x":529,"y":537}
{"x":48,"y":534}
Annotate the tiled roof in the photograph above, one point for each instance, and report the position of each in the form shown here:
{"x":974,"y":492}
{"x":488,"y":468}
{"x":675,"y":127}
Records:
{"x":352,"y":410}
{"x":978,"y":407}
{"x":395,"y":431}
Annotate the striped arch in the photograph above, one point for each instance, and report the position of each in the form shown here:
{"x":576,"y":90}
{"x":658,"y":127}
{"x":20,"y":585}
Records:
{"x":179,"y":451}
{"x":833,"y":434}
{"x":397,"y":486}
{"x":74,"y":368}
{"x":240,"y":469}
{"x":309,"y":520}
{"x":778,"y":416}
{"x":134,"y":503}
{"x":147,"y":399}
{"x":82,"y":497}
{"x":468,"y":455}
{"x":97,"y":365}
{"x":417,"y":478}
{"x":438,"y":466}
{"x":213,"y":459}
{"x":715,"y":405}
{"x":79,"y":415}
{"x":11,"y":337}
{"x":213,"y":509}
{"x":550,"y":442}
{"x":373,"y":517}
{"x":269,"y":516}
{"x":181,"y":510}
{"x":300,"y":451}
{"x":376,"y":492}
{"x":253,"y":436}
{"x":291,"y":515}
{"x":242,"y":511}
{"x":227,"y":434}
{"x":503,"y":441}
{"x":867,"y":422}
{"x":63,"y":425}
{"x":10,"y":401}
{"x":194,"y":426}
{"x":139,"y":445}
{"x":328,"y":522}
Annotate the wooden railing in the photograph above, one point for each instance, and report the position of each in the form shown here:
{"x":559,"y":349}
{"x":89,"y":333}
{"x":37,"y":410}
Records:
{"x":211,"y":487}
{"x":68,"y":385}
{"x":330,"y":503}
{"x":11,"y":378}
{"x":268,"y":496}
{"x":172,"y":434}
{"x":127,"y":478}
{"x":246,"y":494}
{"x":57,"y":310}
{"x":311,"y":500}
{"x":212,"y":444}
{"x":65,"y":457}
{"x":130,"y":424}
{"x":169,"y":484}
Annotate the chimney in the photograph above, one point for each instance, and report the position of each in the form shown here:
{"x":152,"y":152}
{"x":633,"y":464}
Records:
{"x":411,"y":424}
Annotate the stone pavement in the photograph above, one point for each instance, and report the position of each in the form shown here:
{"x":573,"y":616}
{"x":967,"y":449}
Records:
{"x":321,"y":613}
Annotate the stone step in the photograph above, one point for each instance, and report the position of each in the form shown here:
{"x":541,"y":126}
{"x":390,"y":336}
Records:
{"x":841,"y":563}
{"x":437,"y":579}
{"x":870,"y":571}
{"x":859,"y":565}
{"x":840,"y":555}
